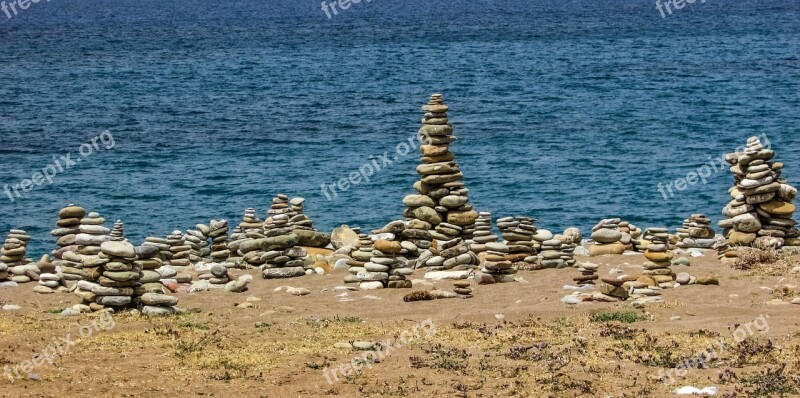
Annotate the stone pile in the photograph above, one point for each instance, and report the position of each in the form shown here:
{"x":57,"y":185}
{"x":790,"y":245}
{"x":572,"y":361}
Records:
{"x":92,"y":234}
{"x":441,"y":195}
{"x":280,"y":255}
{"x":495,"y":265}
{"x":659,"y":256}
{"x":760,"y":211}
{"x":454,"y":255}
{"x":118,"y":277}
{"x":696,"y":232}
{"x":551,"y":254}
{"x":216,"y":275}
{"x":153,"y":271}
{"x":607,"y":238}
{"x":178,"y":250}
{"x":463,"y":289}
{"x":630,"y":233}
{"x":416,"y":238}
{"x":162,"y":245}
{"x":198,"y":245}
{"x":483,"y":233}
{"x":218,"y":233}
{"x":388,"y":267}
{"x":15,"y":248}
{"x":280,"y":205}
{"x":250,"y":221}
{"x":66,"y":231}
{"x":588,"y":274}
{"x":297,"y":218}
{"x":359,"y":257}
{"x":517,"y":233}
{"x":118,"y":231}
{"x":568,"y":247}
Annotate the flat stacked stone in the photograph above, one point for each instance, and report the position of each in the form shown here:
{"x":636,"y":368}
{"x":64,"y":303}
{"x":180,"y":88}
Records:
{"x":660,"y":257}
{"x":696,"y":232}
{"x":66,"y":230}
{"x":606,"y":237}
{"x":454,"y":254}
{"x":588,"y":274}
{"x":760,"y":211}
{"x":483,"y":233}
{"x":178,"y":250}
{"x":49,"y":279}
{"x":540,"y":237}
{"x":218,"y":233}
{"x":517,"y":233}
{"x":463,"y":289}
{"x":441,"y":194}
{"x":92,"y":233}
{"x":118,"y":231}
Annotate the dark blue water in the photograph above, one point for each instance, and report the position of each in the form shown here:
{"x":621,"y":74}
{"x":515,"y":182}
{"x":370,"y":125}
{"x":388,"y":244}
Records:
{"x":567,"y":111}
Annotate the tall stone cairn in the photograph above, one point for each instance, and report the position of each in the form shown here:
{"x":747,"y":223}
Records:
{"x":441,"y":195}
{"x":760,"y":211}
{"x":118,"y":231}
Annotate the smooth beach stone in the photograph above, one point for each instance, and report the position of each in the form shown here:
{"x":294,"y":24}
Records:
{"x":373,"y":267}
{"x":605,"y":235}
{"x":285,"y":272}
{"x":113,"y":301}
{"x":777,"y":207}
{"x":386,"y":246}
{"x":603,"y":249}
{"x":159,"y":299}
{"x":427,"y":214}
{"x":418,"y":201}
{"x":122,"y":276}
{"x":153,"y":311}
{"x":453,"y":201}
{"x":72,"y":212}
{"x":118,"y":249}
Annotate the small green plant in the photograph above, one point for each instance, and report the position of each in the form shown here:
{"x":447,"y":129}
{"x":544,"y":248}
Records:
{"x":618,"y":316}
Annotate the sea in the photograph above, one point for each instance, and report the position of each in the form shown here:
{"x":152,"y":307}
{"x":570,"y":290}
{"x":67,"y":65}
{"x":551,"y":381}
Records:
{"x":166,"y":114}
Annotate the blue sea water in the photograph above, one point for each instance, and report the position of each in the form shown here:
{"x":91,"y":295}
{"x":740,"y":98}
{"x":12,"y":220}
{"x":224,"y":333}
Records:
{"x":567,"y":111}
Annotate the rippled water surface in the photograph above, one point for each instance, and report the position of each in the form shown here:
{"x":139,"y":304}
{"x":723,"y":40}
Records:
{"x":567,"y":111}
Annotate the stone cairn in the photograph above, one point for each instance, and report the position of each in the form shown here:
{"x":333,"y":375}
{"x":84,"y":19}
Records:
{"x":118,"y":231}
{"x":463,"y":289}
{"x":659,"y":257}
{"x":588,"y":274}
{"x":69,"y":218}
{"x":13,"y":256}
{"x":517,"y":233}
{"x":483,"y":233}
{"x":607,"y":237}
{"x":218,"y":232}
{"x":197,"y":242}
{"x":696,"y":232}
{"x":216,"y":275}
{"x":359,"y":257}
{"x":280,"y":205}
{"x":118,"y":277}
{"x":761,"y":208}
{"x":388,"y":266}
{"x":15,"y":248}
{"x":551,"y":254}
{"x":162,"y":245}
{"x":250,"y":221}
{"x":567,"y":249}
{"x":441,"y":195}
{"x":92,"y":234}
{"x":495,"y":265}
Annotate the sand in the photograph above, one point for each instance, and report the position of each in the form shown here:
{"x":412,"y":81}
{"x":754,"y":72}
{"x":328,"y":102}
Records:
{"x":510,"y":340}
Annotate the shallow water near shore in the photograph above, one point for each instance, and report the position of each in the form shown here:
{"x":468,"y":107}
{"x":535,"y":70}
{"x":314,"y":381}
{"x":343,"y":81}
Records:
{"x":565,"y":112}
